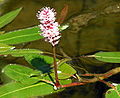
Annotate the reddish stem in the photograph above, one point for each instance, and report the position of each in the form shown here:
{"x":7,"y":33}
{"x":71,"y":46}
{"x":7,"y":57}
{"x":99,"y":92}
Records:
{"x":72,"y":84}
{"x":57,"y":84}
{"x":98,"y":77}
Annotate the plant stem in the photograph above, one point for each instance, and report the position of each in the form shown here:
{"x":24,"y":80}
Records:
{"x":72,"y":84}
{"x":57,"y":84}
{"x":97,"y":77}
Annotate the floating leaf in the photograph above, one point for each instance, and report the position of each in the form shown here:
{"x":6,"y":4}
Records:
{"x":4,"y":47}
{"x":111,"y":57}
{"x":66,"y":81}
{"x":18,"y":90}
{"x":111,"y":93}
{"x":40,"y":62}
{"x":65,"y":71}
{"x":7,"y":18}
{"x":21,"y":52}
{"x":21,"y":36}
{"x":22,"y":74}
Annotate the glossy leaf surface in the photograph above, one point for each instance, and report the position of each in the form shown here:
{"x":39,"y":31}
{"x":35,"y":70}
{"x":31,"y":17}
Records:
{"x":66,"y":81}
{"x":21,"y":36}
{"x":111,"y":57}
{"x":21,"y":52}
{"x":42,"y":63}
{"x":19,"y":90}
{"x":7,"y":18}
{"x":21,"y":73}
{"x":65,"y":71}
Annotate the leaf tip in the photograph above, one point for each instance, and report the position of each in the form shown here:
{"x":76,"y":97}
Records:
{"x":20,"y":8}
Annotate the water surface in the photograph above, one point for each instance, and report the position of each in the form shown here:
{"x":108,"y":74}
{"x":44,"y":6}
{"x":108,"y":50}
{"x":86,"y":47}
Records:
{"x":100,"y":33}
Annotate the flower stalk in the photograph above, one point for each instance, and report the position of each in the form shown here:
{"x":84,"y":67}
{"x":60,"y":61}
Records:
{"x":50,"y":31}
{"x":57,"y":84}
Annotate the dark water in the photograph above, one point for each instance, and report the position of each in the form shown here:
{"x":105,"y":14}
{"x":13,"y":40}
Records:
{"x":98,"y":32}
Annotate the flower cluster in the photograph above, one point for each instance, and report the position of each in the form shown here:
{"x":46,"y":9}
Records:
{"x":48,"y":26}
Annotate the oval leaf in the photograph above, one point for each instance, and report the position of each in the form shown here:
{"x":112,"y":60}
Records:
{"x":40,"y":62}
{"x":20,"y":36}
{"x":43,"y":62}
{"x":22,"y":74}
{"x":64,"y":71}
{"x":7,"y":18}
{"x":111,"y":57}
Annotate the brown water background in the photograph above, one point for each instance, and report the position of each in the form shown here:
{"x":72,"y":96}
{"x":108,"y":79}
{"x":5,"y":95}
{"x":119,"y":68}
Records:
{"x":101,"y":33}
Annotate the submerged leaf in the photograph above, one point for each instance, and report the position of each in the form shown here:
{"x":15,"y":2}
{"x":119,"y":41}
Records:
{"x":7,"y":18}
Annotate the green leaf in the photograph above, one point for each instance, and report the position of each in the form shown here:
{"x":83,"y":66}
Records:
{"x":22,"y":74}
{"x":40,"y":62}
{"x":21,"y":36}
{"x":66,"y":81}
{"x":43,"y":62}
{"x":65,"y":71}
{"x":7,"y":18}
{"x":111,"y":93}
{"x":63,"y":27}
{"x":4,"y":47}
{"x":18,"y":90}
{"x":21,"y":52}
{"x":111,"y":57}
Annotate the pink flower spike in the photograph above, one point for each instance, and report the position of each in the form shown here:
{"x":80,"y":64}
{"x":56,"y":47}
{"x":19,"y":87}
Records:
{"x":48,"y":26}
{"x":46,"y":15}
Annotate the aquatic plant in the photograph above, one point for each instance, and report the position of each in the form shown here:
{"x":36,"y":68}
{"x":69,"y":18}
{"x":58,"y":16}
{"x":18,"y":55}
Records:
{"x":50,"y":74}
